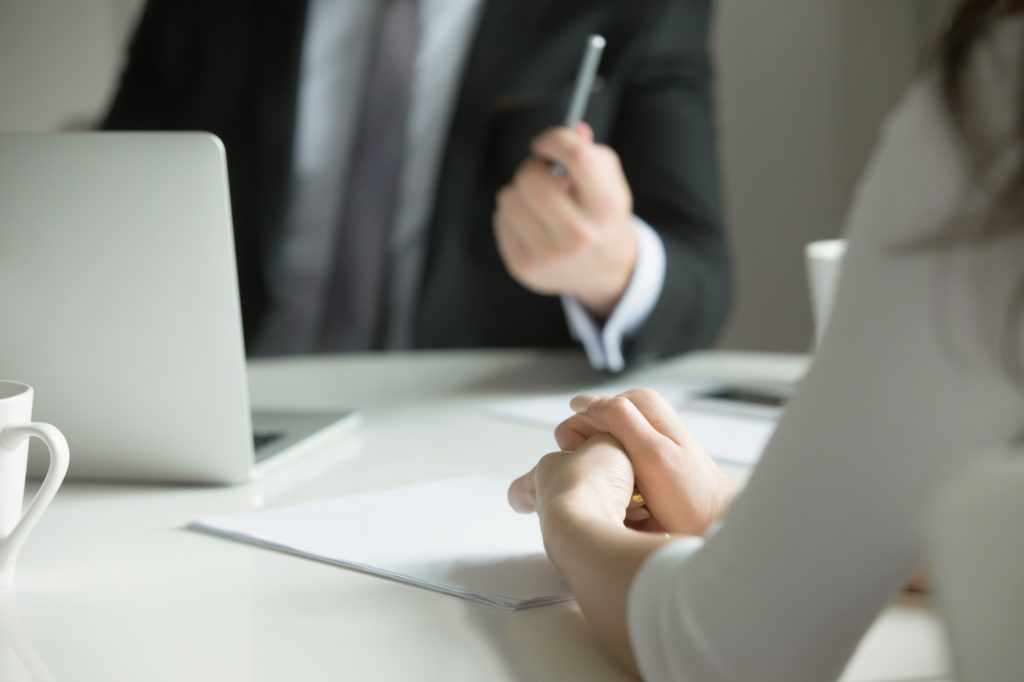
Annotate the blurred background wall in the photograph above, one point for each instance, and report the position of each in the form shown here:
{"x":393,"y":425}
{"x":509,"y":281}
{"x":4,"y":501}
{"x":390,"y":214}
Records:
{"x":803,"y":87}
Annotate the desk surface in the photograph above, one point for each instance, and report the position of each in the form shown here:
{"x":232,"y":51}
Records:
{"x":111,"y":587}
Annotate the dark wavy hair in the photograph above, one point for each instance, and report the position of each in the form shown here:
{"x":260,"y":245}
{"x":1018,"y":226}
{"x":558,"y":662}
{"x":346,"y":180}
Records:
{"x":971,"y":21}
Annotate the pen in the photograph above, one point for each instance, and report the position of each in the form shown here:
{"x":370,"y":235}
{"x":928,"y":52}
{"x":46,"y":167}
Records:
{"x":581,"y":90}
{"x":637,"y":510}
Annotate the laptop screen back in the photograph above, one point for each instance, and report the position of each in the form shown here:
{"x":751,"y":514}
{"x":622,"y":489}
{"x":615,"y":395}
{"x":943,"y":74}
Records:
{"x":119,"y":301}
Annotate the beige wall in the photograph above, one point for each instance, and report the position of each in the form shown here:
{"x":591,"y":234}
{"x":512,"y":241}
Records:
{"x":803,"y":86}
{"x":58,"y":59}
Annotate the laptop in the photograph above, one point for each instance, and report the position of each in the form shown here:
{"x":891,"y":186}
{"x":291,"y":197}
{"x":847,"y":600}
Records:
{"x":119,"y":303}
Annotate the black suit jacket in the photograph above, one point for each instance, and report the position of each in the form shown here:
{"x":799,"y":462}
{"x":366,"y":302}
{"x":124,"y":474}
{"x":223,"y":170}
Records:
{"x":232,"y":68}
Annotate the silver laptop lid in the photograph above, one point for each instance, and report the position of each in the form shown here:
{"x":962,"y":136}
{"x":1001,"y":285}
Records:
{"x":119,"y":301}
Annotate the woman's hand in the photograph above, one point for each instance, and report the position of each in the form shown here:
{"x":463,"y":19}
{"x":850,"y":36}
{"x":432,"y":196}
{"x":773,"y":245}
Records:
{"x":684,"y":489}
{"x":581,"y":498}
{"x":593,"y":481}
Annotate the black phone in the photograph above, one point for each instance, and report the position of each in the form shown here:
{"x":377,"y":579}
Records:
{"x":746,"y":395}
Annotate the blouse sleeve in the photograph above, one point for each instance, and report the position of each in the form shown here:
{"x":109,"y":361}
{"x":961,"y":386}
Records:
{"x":903,"y":389}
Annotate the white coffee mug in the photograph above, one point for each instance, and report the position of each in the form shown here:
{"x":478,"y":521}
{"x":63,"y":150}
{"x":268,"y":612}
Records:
{"x":16,"y":427}
{"x":824,"y":265}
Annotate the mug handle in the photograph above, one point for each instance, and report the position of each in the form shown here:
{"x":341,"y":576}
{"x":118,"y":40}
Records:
{"x":10,"y":438}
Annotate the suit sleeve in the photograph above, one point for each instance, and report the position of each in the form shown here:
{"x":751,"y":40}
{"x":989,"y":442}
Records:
{"x":665,"y":136}
{"x":151,"y":92}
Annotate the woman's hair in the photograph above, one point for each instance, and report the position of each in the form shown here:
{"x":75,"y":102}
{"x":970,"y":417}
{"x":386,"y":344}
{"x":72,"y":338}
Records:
{"x":972,"y":21}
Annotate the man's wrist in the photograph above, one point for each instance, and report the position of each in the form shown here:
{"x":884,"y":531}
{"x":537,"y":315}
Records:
{"x":606,"y":290}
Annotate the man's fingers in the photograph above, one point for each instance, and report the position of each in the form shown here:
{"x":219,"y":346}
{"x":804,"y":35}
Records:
{"x":511,"y":245}
{"x":526,"y":212}
{"x":551,"y":204}
{"x":584,"y":130}
{"x":521,"y":494}
{"x":524,"y":216}
{"x":580,"y":157}
{"x":523,"y":240}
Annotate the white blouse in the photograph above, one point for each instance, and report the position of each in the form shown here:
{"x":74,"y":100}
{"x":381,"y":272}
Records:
{"x":908,"y":385}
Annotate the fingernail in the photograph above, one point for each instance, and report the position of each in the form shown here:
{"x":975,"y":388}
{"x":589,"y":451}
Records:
{"x":581,"y":403}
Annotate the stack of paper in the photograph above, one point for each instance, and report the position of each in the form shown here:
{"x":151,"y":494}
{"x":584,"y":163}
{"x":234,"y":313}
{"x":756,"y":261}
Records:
{"x":734,"y":436}
{"x":458,"y":536}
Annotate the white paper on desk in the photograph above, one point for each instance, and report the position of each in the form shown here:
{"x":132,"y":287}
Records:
{"x":728,"y":437}
{"x":456,"y":536}
{"x":550,"y":410}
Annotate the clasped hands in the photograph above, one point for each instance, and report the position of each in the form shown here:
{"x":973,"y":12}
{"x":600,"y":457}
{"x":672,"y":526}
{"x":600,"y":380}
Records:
{"x":569,"y":235}
{"x":615,"y":443}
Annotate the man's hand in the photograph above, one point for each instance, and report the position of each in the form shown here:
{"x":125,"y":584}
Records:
{"x":571,"y":235}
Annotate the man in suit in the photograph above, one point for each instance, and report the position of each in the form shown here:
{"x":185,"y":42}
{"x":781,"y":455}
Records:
{"x":383,"y":189}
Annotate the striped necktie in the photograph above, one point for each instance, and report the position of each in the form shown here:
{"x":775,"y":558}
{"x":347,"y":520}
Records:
{"x":355,"y":314}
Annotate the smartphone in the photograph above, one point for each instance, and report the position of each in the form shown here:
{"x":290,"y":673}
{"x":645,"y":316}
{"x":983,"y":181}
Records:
{"x":749,"y":401}
{"x":751,"y":396}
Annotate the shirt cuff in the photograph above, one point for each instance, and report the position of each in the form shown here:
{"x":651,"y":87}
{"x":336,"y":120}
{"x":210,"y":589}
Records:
{"x":603,"y":345}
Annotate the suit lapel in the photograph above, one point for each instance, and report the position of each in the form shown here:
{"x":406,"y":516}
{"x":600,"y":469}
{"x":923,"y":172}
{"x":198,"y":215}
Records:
{"x":279,"y":56}
{"x":505,"y":30}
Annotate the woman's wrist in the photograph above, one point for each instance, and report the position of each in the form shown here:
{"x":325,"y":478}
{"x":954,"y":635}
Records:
{"x":579,"y":506}
{"x":571,"y":520}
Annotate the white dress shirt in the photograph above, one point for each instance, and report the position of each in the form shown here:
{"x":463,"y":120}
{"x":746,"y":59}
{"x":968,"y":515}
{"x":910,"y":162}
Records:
{"x":335,"y":52}
{"x":908,"y":386}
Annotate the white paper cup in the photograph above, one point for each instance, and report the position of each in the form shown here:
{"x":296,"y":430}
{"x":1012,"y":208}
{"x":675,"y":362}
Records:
{"x":824,"y":265}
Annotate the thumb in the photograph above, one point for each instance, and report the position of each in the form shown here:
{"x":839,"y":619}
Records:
{"x":521,"y":495}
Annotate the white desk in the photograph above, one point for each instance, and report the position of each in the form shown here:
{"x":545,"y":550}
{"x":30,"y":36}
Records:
{"x":111,"y":588}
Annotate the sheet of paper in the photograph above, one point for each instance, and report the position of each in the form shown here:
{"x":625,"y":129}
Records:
{"x":549,"y":410}
{"x":455,"y":536}
{"x":731,"y":437}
